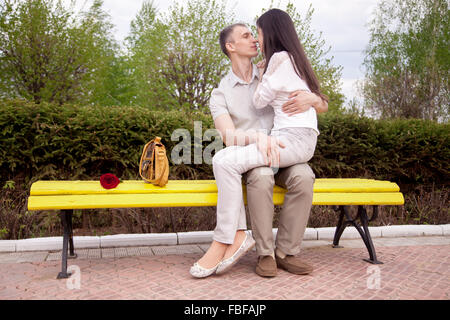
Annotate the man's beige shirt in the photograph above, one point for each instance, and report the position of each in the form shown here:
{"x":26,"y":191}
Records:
{"x":234,"y":97}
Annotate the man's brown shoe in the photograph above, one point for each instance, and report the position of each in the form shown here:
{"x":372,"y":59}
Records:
{"x":294,"y":265}
{"x":266,"y":266}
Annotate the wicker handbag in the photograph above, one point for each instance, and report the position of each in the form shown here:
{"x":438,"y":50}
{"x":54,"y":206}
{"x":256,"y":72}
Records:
{"x":154,"y":165}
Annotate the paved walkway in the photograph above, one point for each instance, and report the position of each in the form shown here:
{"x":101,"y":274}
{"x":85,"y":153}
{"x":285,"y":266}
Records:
{"x":414,"y":268}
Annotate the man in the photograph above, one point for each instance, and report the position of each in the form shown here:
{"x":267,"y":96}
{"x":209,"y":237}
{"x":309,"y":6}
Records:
{"x":236,"y":120}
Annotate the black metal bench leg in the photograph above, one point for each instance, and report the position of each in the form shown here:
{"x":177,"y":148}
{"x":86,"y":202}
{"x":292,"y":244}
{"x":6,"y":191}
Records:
{"x":340,"y":227}
{"x":362,"y":214}
{"x":364,"y":231}
{"x":66,"y":220}
{"x":72,"y":254}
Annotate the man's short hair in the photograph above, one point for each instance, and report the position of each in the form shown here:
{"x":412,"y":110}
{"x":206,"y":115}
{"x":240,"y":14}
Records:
{"x":225,"y":36}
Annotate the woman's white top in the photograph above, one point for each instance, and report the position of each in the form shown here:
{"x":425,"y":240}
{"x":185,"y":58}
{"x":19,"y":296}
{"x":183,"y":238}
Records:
{"x":279,"y":81}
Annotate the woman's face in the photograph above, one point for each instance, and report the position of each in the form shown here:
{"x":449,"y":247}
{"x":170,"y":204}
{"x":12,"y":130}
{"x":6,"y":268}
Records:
{"x":261,"y":40}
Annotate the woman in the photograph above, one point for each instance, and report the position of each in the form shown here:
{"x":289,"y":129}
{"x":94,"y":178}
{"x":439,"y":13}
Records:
{"x":287,"y":70}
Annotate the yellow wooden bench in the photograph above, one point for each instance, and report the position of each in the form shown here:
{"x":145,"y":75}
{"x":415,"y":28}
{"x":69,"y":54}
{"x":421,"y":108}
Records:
{"x":340,"y":193}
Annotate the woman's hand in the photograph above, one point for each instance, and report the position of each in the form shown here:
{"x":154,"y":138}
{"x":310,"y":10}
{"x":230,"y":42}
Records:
{"x":269,"y":148}
{"x":300,"y":101}
{"x":261,"y":65}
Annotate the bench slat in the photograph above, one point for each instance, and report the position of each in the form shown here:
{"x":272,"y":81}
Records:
{"x":199,"y":186}
{"x":193,"y":200}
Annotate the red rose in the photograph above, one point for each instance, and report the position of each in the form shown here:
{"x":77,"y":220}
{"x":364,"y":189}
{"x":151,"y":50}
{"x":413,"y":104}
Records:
{"x":109,"y":181}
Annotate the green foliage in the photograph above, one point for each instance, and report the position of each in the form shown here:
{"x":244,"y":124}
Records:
{"x":175,"y":58}
{"x":408,"y":61}
{"x":45,"y":141}
{"x":176,"y":61}
{"x":146,"y":45}
{"x":172,"y":61}
{"x":405,"y":151}
{"x":48,"y":53}
{"x":82,"y":142}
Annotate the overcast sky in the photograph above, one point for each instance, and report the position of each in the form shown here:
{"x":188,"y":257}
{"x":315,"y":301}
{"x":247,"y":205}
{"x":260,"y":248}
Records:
{"x":342,"y":22}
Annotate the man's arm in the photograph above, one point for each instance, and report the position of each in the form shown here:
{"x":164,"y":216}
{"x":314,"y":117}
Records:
{"x":300,"y":101}
{"x":224,"y":124}
{"x":267,"y":145}
{"x":232,"y":136}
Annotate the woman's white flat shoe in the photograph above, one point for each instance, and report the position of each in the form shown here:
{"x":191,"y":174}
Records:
{"x":198,"y":271}
{"x":245,"y":247}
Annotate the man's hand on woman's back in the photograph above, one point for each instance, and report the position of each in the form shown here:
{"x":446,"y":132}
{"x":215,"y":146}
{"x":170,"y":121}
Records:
{"x":301,"y":100}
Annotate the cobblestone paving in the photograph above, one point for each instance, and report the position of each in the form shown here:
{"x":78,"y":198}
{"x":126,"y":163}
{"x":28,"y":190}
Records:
{"x":414,"y":268}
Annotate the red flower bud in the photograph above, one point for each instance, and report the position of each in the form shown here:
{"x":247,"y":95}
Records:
{"x":109,"y":181}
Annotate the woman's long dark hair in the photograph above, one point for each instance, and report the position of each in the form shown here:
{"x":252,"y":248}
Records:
{"x":279,"y":35}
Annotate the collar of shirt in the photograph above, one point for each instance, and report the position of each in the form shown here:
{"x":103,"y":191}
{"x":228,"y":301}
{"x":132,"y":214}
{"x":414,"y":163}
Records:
{"x":234,"y":79}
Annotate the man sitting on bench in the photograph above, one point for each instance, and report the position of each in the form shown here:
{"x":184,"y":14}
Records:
{"x":232,"y":111}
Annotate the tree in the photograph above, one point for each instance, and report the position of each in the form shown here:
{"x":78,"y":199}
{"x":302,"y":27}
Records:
{"x":47,"y":53}
{"x":407,"y":60}
{"x":329,"y":75}
{"x":176,"y":58}
{"x":105,"y":82}
{"x":113,"y":85}
{"x":147,"y":47}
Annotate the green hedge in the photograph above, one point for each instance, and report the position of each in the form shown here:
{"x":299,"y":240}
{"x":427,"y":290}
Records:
{"x":405,"y":151}
{"x":82,"y":142}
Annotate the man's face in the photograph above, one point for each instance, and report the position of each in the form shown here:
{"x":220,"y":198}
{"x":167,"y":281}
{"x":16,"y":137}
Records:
{"x":242,"y":42}
{"x":261,"y":40}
